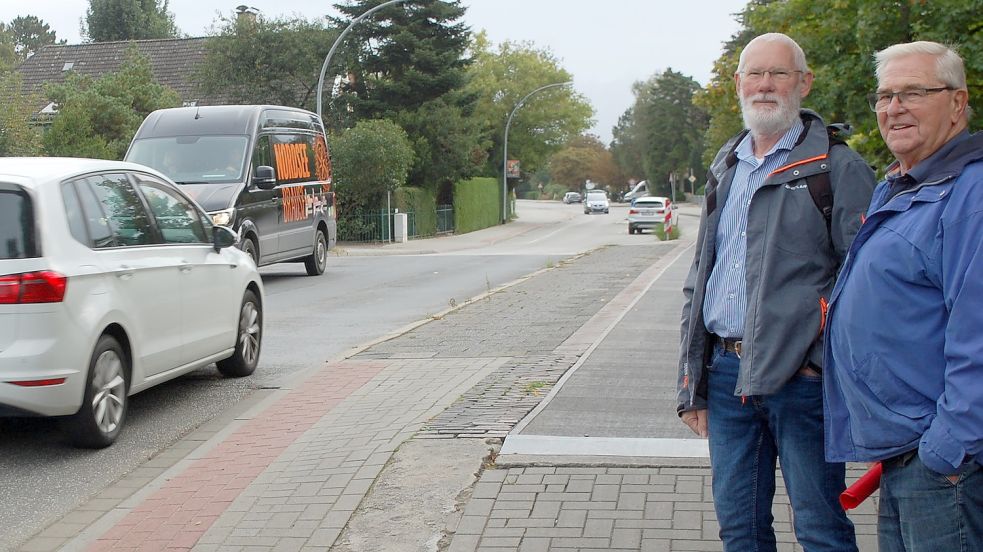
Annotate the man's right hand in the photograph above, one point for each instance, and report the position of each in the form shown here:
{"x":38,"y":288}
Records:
{"x":697,"y":421}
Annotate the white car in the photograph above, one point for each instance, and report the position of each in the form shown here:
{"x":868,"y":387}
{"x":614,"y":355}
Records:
{"x":596,"y":201}
{"x":647,"y":212}
{"x":113,"y":281}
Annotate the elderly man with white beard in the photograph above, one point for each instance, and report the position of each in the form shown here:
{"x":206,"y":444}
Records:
{"x":770,"y":243}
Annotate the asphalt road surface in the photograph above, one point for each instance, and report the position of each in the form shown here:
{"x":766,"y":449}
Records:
{"x":363,"y":296}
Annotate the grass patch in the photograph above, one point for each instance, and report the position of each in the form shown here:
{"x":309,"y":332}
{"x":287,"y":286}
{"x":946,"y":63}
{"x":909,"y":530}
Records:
{"x":660,"y":232}
{"x":533,"y":388}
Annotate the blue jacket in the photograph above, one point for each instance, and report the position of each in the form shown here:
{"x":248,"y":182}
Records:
{"x":904,"y":341}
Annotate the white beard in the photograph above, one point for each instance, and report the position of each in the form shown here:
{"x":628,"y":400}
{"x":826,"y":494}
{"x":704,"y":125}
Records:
{"x":769,"y":122}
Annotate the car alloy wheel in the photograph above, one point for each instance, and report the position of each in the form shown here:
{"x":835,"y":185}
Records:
{"x":104,"y":403}
{"x":248,"y":340}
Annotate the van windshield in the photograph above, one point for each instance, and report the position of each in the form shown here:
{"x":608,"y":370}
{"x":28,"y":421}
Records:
{"x":193,"y":159}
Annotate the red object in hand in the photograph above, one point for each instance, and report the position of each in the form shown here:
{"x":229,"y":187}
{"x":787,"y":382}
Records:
{"x":862,"y":488}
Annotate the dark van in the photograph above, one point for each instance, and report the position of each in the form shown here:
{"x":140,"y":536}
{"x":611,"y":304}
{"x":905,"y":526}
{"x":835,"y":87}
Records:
{"x":263,"y":170}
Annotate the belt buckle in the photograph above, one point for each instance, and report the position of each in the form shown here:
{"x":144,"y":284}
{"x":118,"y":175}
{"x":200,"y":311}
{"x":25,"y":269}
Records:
{"x":737,"y":348}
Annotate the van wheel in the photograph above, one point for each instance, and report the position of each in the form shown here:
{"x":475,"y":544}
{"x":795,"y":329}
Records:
{"x":100,"y":419}
{"x":249,"y":247}
{"x":249,"y":337}
{"x":317,"y":260}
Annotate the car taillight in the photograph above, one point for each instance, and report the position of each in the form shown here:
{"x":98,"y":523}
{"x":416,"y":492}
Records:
{"x":33,"y":287}
{"x":632,"y":211}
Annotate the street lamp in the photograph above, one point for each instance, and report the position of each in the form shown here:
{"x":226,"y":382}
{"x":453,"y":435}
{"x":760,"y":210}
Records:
{"x":327,"y":59}
{"x":505,"y":148}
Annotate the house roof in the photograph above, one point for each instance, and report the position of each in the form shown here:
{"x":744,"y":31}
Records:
{"x":172,"y":62}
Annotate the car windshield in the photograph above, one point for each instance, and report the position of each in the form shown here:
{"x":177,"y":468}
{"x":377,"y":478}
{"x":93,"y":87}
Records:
{"x":17,"y":238}
{"x":597,"y":196}
{"x":193,"y":159}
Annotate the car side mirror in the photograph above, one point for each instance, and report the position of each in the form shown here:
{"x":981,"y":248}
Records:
{"x":264,"y":177}
{"x":223,"y":236}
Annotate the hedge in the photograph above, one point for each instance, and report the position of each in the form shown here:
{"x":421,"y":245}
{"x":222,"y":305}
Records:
{"x":477,"y":204}
{"x":421,"y":202}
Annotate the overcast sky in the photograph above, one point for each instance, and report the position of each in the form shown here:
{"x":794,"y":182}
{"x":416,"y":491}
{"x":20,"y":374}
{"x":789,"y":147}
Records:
{"x":606,"y":44}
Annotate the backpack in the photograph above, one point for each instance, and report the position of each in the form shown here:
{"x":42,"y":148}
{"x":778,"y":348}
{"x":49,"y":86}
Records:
{"x":819,"y":185}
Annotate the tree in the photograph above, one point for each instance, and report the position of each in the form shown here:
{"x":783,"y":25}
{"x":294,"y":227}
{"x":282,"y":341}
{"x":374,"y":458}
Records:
{"x":584,"y":158}
{"x":407,"y":63}
{"x":839,"y":38}
{"x":664,"y":129}
{"x":265,"y":62}
{"x":29,"y":34}
{"x":108,"y":20}
{"x":98,"y":117}
{"x":545,"y":123}
{"x":17,"y":136}
{"x":368,"y":160}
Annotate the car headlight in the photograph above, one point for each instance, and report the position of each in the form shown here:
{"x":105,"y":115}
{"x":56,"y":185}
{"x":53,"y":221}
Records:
{"x":223,"y":218}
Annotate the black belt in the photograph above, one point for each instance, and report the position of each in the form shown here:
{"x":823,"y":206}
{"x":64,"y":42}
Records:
{"x":728,"y":344}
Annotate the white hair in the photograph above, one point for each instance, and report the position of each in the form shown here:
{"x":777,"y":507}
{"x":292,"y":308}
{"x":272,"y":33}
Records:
{"x":798,"y":56}
{"x":949,"y":66}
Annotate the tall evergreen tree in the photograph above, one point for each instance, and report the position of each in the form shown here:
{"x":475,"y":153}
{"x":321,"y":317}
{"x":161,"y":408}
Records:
{"x":408,"y":63}
{"x":108,"y":20}
{"x":27,"y":34}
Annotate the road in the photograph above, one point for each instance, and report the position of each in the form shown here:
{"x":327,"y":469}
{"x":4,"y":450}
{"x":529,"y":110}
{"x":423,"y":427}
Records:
{"x":362,"y":297}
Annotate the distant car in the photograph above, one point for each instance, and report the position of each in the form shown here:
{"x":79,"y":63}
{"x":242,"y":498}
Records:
{"x":647,"y":212}
{"x":596,"y":201}
{"x":112,"y":281}
{"x":571,"y":197}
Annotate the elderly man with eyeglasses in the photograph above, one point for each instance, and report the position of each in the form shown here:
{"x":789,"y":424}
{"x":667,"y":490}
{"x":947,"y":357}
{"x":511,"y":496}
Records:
{"x":755,"y":302}
{"x":904,"y":347}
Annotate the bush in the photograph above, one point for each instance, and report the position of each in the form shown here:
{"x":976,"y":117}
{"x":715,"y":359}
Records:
{"x":660,"y":232}
{"x":422,"y":204}
{"x":477,"y":204}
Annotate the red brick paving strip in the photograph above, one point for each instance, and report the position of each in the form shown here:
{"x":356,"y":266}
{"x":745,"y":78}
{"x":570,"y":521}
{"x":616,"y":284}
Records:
{"x":178,"y":514}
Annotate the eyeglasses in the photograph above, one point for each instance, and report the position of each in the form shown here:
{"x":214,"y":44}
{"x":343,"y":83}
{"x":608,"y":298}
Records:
{"x":879,"y":101}
{"x":780,"y":75}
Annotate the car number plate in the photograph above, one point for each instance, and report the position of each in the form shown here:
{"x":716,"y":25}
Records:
{"x":648,"y":212}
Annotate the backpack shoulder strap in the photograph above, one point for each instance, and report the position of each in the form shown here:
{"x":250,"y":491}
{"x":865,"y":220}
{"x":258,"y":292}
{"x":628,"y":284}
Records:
{"x":819,"y":185}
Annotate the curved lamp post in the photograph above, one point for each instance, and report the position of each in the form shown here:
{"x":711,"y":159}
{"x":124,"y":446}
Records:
{"x":327,"y":59}
{"x":505,"y":152}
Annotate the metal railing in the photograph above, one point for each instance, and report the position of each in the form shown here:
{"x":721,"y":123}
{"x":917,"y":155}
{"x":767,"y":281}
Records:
{"x":372,"y":226}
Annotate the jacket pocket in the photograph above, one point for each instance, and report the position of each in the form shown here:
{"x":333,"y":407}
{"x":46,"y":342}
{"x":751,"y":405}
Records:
{"x":892,"y":412}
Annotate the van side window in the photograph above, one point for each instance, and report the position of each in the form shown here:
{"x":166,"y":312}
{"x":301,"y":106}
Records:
{"x":294,"y":156}
{"x":263,"y":154}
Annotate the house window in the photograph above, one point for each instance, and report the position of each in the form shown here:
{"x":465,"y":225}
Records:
{"x":68,"y":66}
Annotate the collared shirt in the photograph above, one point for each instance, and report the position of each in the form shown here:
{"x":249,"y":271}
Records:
{"x":725,"y":304}
{"x":897,"y":182}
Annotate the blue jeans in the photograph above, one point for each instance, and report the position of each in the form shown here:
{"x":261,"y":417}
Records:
{"x":922,"y":511}
{"x":747,"y":437}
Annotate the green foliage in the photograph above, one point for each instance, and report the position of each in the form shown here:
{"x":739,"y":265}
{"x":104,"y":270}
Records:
{"x":477,"y":204}
{"x":266,"y":62}
{"x":422,"y":204}
{"x":108,"y":20}
{"x":840,"y":38}
{"x":446,"y":143}
{"x":664,"y":129}
{"x":368,"y":160}
{"x":584,"y":158}
{"x":24,"y":36}
{"x":546,"y":121}
{"x":97,"y":118}
{"x":17,"y":136}
{"x":407,"y":63}
{"x":660,"y":232}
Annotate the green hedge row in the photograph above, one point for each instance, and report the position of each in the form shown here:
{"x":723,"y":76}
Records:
{"x":423,"y":204}
{"x":476,"y":204}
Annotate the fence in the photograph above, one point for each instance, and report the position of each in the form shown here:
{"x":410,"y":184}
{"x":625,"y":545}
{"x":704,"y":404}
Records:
{"x":373,"y":227}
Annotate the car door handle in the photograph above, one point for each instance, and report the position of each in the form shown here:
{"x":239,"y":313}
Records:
{"x":274,"y":199}
{"x":186,"y":267}
{"x":125,"y":272}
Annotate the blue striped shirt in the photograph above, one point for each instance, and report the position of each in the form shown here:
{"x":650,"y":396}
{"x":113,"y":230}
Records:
{"x":725,"y":303}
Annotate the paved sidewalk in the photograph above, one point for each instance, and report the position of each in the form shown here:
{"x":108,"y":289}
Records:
{"x":306,"y":467}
